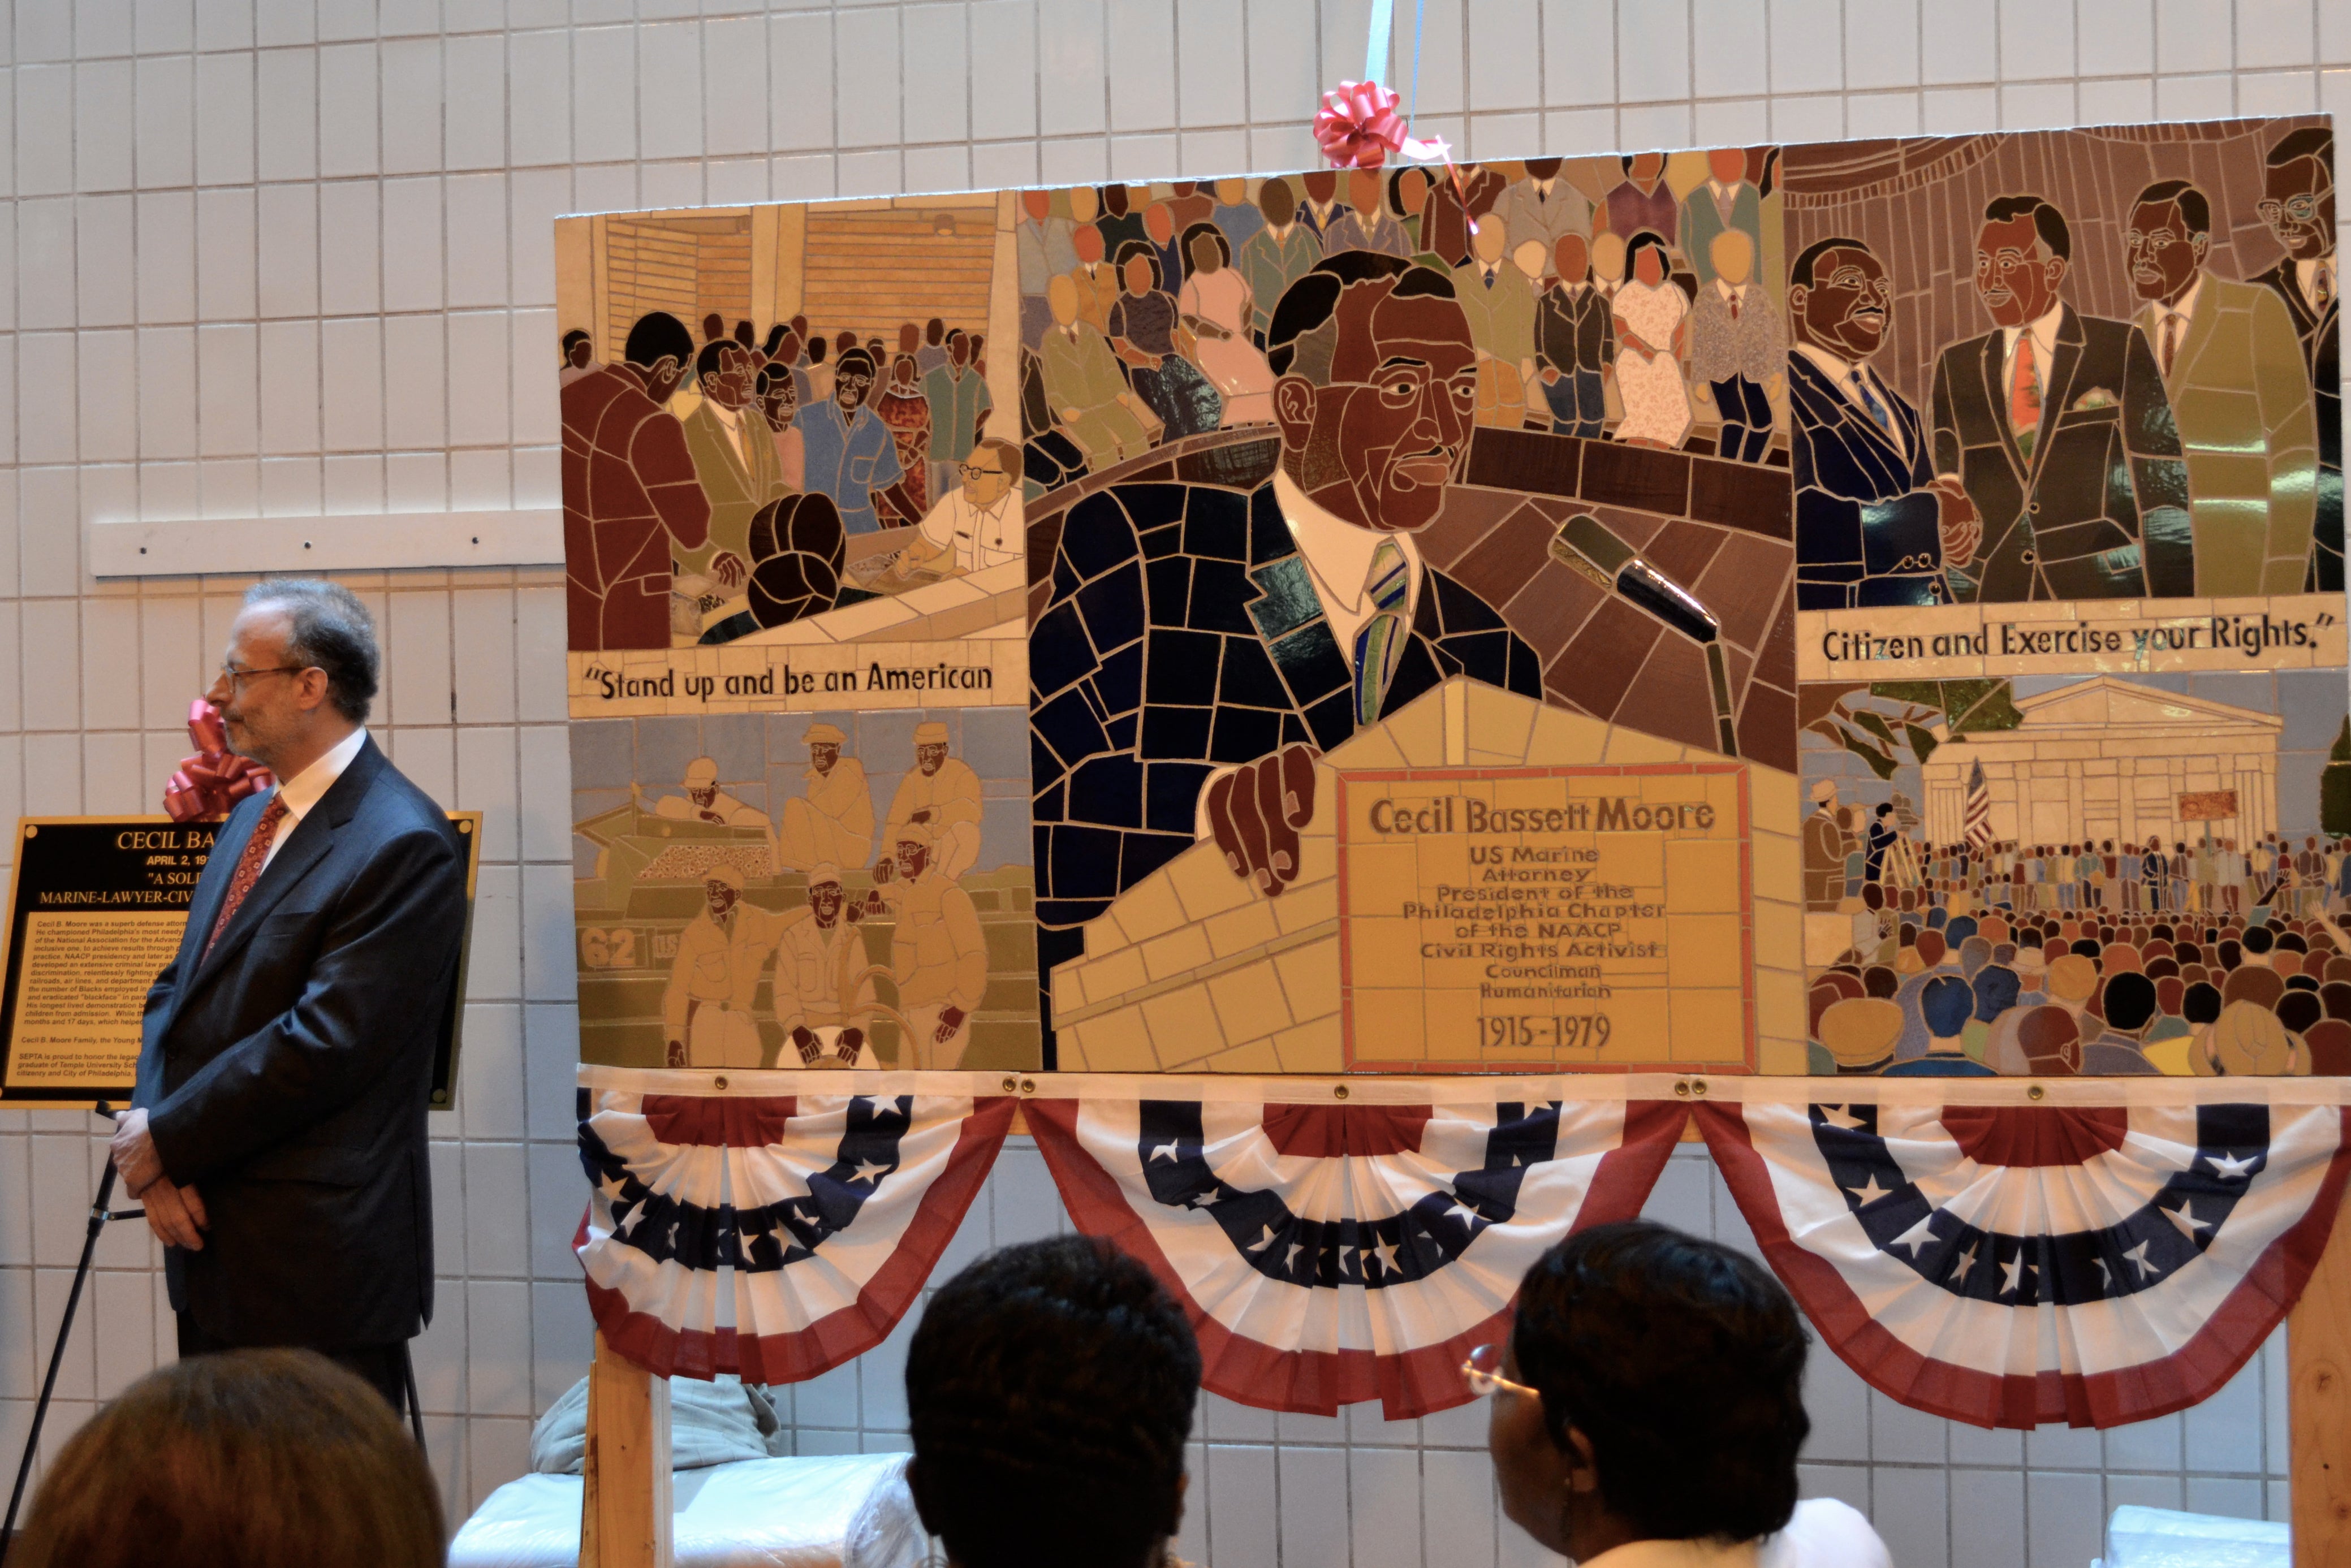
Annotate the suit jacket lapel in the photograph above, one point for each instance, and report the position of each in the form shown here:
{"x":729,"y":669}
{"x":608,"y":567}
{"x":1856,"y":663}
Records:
{"x":1995,"y":382}
{"x":306,"y":844}
{"x":2065,"y":360}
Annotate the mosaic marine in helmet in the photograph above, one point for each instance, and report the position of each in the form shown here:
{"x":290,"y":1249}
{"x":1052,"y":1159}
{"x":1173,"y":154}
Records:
{"x":704,"y":801}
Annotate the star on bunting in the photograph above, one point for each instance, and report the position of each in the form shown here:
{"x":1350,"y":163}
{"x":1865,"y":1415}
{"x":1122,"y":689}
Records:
{"x":1840,"y":1117}
{"x":2184,"y":1216}
{"x":2138,"y":1255}
{"x":1871,"y":1193}
{"x":1918,"y":1236}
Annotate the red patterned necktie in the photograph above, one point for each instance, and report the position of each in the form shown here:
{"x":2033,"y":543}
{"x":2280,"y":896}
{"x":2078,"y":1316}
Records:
{"x":248,"y":866}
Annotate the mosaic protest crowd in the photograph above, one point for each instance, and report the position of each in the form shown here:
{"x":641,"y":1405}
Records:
{"x":2026,"y":959}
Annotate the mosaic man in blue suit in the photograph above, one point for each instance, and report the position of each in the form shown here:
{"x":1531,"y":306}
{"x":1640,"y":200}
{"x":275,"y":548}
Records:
{"x":1874,"y":525}
{"x":1202,"y":646}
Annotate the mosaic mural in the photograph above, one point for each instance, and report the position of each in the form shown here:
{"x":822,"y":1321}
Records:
{"x":1702,"y":611}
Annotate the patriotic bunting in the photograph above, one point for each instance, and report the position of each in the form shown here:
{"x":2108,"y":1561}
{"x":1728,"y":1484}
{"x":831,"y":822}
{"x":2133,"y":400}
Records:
{"x":776,"y":1235}
{"x":1996,"y":1253}
{"x":1329,"y":1254}
{"x":2009,"y":1264}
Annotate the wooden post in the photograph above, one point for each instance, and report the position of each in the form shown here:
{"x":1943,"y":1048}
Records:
{"x":625,"y":1504}
{"x":2318,"y":1358}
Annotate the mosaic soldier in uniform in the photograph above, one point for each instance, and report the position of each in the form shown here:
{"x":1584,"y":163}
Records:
{"x":941,"y":792}
{"x":938,"y":953}
{"x":821,"y":980}
{"x":706,"y":1007}
{"x":1201,"y":647}
{"x":704,"y":801}
{"x":834,"y":820}
{"x":2059,"y":428}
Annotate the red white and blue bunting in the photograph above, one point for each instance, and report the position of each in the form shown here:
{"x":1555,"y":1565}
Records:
{"x":1328,"y":1253}
{"x":772,"y":1235}
{"x":2094,"y":1251}
{"x":2011,"y":1264}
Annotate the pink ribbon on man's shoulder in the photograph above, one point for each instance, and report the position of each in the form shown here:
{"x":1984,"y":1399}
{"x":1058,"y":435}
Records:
{"x":215,"y":777}
{"x":1358,"y":128}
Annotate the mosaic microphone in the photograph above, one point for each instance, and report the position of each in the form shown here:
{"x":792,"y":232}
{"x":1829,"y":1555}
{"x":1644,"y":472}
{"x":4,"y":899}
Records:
{"x":1586,"y":547}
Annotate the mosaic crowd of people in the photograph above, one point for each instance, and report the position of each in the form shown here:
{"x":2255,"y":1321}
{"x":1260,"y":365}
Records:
{"x":2041,"y":959}
{"x":721,"y":484}
{"x":1145,"y":319}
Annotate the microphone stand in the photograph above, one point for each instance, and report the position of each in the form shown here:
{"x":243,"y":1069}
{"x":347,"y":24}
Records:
{"x":99,"y":1216}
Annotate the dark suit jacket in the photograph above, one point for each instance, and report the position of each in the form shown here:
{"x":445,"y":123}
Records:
{"x":287,"y":1073}
{"x":1868,"y":531}
{"x":1183,"y":634}
{"x":2321,"y":335}
{"x":1572,"y":332}
{"x":2100,"y":510}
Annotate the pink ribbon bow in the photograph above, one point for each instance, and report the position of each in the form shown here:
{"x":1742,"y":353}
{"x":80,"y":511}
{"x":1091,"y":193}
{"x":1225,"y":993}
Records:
{"x":214,"y":779}
{"x":1357,"y":127}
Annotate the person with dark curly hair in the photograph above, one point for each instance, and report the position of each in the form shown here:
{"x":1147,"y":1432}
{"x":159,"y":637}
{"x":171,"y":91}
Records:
{"x":1049,"y":1388}
{"x":1650,"y":1407}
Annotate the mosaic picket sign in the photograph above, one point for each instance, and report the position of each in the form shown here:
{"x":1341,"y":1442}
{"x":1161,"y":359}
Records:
{"x":1395,"y":569}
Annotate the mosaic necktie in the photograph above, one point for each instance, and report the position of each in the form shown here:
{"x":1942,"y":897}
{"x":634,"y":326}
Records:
{"x":1381,"y":641}
{"x":248,"y":866}
{"x":1873,"y":404}
{"x":2024,"y":395}
{"x":2171,"y":342}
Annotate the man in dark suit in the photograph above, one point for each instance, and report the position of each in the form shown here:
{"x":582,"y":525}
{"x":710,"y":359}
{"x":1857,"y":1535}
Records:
{"x":1874,"y":525}
{"x":2058,"y":426}
{"x":1575,"y":342}
{"x":277,"y":1134}
{"x":1202,"y":646}
{"x":2298,"y":204}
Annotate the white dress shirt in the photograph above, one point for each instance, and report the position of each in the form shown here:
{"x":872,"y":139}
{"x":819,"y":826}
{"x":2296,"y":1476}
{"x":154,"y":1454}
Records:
{"x":1847,"y":375}
{"x":1336,"y":552}
{"x":1338,"y":556}
{"x":2045,"y":346}
{"x":2183,"y":311}
{"x":731,"y":421}
{"x":1824,"y":1534}
{"x":2306,"y":275}
{"x":980,"y":537}
{"x":305,"y":789}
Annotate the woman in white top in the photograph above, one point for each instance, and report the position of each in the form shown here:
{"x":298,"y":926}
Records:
{"x":1652,"y":327}
{"x":1217,"y":305}
{"x":1649,"y":1406}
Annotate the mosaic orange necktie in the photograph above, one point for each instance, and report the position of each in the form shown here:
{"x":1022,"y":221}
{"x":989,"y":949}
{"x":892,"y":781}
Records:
{"x":248,"y":866}
{"x":2024,"y":395}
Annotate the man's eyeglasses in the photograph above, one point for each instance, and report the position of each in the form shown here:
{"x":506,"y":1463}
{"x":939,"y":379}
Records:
{"x":2301,"y":209}
{"x":974,"y":471}
{"x":236,"y":677}
{"x":1483,"y":1373}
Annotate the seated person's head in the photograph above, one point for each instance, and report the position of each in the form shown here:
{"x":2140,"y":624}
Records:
{"x":1670,"y":1371}
{"x":249,"y":1457}
{"x":1049,"y":1388}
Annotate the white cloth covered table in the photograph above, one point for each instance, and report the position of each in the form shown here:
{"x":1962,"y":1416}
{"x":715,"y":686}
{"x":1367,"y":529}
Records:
{"x":846,"y":1511}
{"x":2138,"y":1537}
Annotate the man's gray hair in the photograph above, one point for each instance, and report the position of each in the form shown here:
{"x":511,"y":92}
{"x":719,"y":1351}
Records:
{"x":330,"y":629}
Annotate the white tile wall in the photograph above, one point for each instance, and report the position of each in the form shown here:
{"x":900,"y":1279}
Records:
{"x":286,"y":255}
